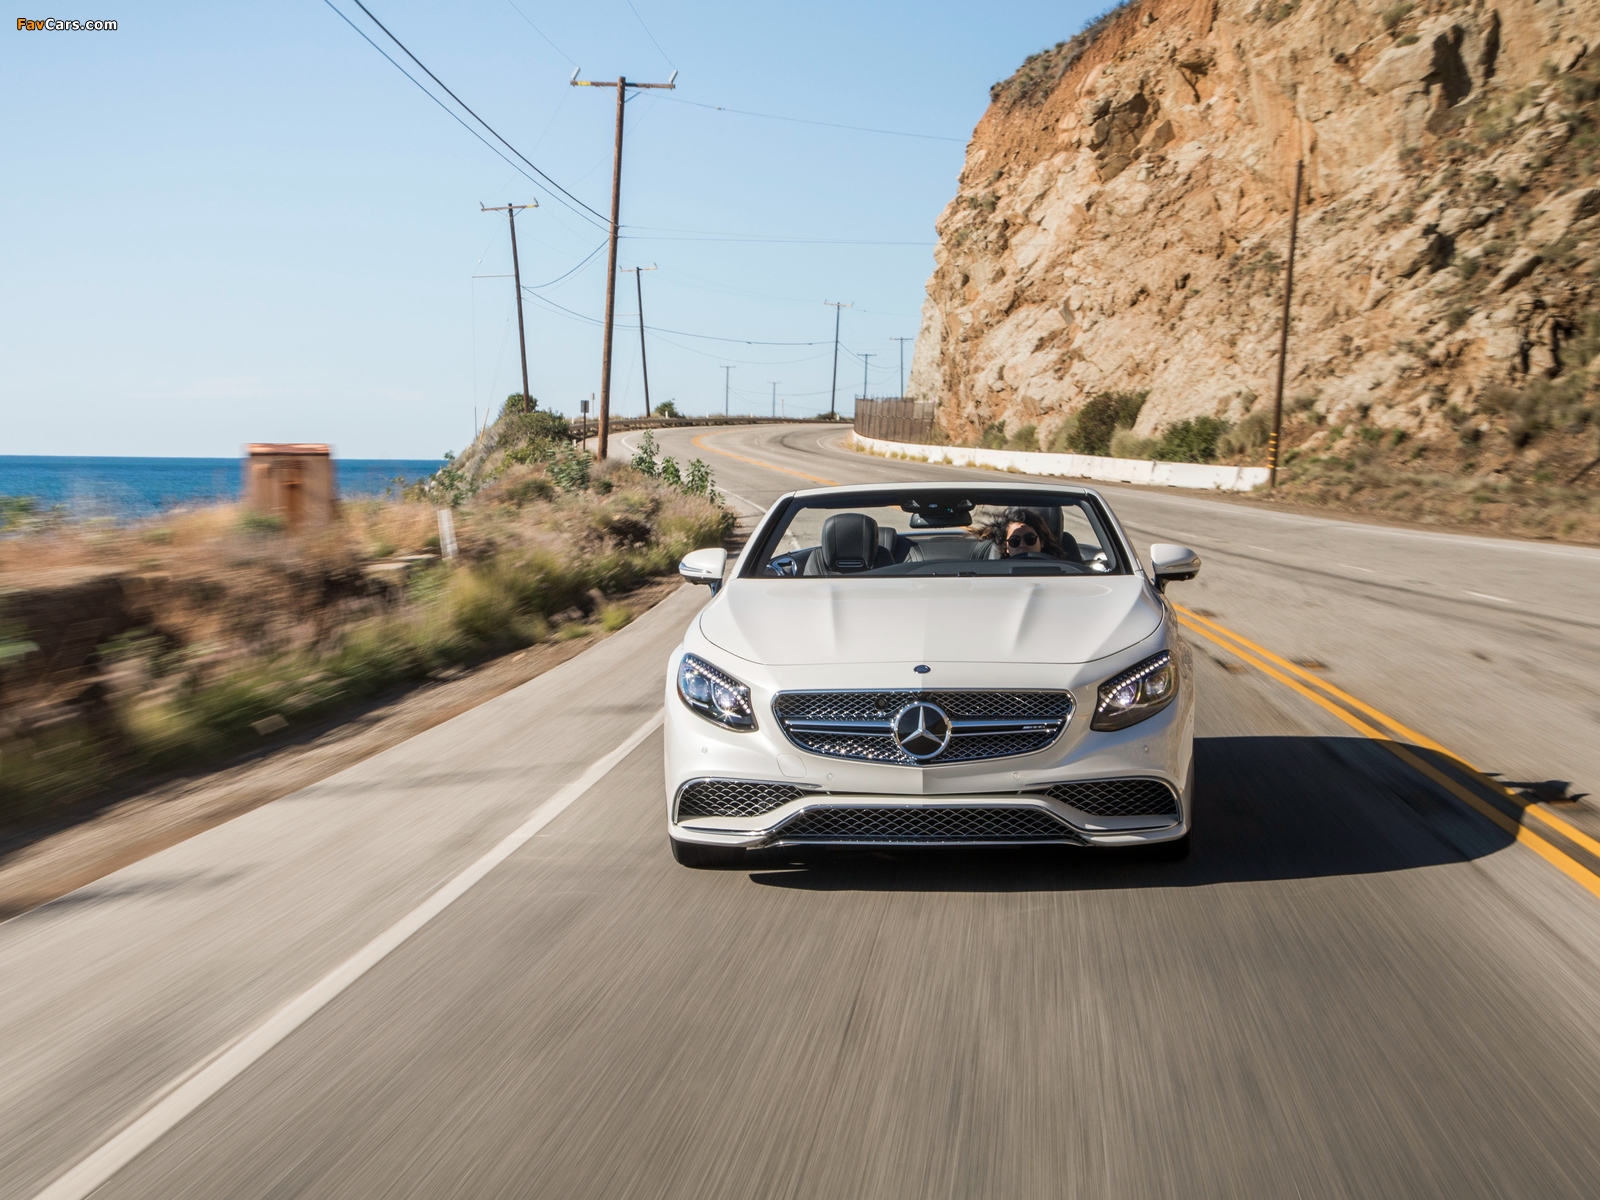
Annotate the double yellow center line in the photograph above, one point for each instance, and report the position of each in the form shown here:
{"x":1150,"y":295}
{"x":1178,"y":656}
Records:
{"x":756,"y":462}
{"x":1388,"y":732}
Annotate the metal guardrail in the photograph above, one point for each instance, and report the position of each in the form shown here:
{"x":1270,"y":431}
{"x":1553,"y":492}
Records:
{"x":897,"y":420}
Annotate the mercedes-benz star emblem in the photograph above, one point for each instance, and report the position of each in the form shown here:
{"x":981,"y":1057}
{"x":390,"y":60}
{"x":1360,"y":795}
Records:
{"x":922,"y":730}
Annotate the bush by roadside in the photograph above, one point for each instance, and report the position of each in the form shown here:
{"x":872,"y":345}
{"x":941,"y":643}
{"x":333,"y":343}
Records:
{"x":172,"y":643}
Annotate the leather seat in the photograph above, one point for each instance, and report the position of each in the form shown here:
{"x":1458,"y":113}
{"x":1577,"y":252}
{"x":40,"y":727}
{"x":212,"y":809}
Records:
{"x":951,"y":549}
{"x":849,"y":545}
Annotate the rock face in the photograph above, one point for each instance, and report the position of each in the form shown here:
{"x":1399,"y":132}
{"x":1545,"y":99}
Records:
{"x":1123,"y":214}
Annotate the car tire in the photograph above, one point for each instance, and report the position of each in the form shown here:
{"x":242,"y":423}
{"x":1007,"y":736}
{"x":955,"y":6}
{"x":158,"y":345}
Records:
{"x":1174,"y":851}
{"x":707,"y":858}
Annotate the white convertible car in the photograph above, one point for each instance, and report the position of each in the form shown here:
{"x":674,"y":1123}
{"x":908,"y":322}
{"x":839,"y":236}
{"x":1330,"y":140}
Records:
{"x":932,"y":665}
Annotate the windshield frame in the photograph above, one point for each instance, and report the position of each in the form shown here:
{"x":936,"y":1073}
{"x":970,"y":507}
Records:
{"x":763,"y":546}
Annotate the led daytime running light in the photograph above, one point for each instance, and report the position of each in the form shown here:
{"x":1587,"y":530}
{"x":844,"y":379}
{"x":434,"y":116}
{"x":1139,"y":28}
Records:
{"x":1137,"y":693}
{"x":714,"y":694}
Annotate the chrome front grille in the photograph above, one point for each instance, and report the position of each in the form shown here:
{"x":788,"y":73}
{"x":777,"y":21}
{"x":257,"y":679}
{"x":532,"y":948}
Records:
{"x":945,"y":823}
{"x":984,"y":724}
{"x":1119,"y":797}
{"x":733,"y":798}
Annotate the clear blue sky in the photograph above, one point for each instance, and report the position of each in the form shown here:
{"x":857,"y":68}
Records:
{"x":231,"y":223}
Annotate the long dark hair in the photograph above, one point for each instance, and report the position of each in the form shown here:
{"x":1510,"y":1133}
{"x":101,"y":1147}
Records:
{"x":1048,"y":543}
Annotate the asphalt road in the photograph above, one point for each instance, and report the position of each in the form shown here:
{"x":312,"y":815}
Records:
{"x":1357,"y":986}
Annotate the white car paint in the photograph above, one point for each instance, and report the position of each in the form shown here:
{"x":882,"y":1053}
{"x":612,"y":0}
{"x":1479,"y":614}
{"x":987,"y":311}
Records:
{"x":928,"y":634}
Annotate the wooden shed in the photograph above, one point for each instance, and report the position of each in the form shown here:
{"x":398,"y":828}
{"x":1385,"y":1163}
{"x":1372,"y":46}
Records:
{"x":291,"y":480}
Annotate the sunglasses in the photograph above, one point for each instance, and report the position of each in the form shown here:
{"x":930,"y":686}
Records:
{"x":1024,"y":537}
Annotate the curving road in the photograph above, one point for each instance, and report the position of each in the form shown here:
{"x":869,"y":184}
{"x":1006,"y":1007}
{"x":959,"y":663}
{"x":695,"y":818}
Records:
{"x":468,"y":967}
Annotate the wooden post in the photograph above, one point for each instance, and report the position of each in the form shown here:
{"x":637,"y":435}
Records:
{"x":1283,"y":333}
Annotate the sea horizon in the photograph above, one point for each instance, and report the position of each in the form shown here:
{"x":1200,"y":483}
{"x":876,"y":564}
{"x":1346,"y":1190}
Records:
{"x":143,"y":485}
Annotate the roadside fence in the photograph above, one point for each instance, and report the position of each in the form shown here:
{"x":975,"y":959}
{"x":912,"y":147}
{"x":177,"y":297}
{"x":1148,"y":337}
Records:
{"x":896,"y":419}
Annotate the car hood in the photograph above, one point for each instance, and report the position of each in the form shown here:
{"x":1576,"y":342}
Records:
{"x":783,"y":622}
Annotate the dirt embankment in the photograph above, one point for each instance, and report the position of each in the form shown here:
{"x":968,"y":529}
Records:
{"x":1122,"y":221}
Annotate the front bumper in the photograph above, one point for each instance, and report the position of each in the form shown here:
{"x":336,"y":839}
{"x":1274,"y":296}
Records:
{"x":999,"y":801}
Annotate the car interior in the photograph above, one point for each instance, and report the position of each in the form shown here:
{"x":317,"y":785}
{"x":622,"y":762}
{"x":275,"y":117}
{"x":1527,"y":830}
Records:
{"x":937,"y":536}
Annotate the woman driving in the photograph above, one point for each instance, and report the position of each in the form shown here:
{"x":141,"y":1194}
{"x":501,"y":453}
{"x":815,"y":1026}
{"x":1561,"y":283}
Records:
{"x":1021,"y":531}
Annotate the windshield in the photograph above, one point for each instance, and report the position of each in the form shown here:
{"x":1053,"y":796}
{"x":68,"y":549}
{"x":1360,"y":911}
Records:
{"x":927,"y":531}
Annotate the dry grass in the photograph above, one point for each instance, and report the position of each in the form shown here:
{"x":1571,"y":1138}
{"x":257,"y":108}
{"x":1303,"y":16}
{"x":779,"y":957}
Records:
{"x":219,"y":628}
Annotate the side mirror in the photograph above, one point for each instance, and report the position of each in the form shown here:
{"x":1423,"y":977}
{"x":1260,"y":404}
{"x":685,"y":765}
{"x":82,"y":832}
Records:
{"x":1173,"y":563}
{"x":705,"y":566}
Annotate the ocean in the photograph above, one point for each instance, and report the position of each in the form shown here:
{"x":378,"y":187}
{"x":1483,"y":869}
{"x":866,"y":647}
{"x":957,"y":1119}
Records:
{"x":139,"y":487}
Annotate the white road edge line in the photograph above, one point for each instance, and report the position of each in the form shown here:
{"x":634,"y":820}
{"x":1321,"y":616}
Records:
{"x":1486,"y":596}
{"x":165,"y":1112}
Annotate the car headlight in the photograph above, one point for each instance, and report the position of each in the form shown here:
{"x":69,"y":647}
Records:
{"x":1137,"y":693}
{"x":715,"y":695}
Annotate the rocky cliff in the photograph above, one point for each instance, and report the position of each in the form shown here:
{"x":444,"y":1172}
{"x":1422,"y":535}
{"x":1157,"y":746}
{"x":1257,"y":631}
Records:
{"x":1123,"y":218}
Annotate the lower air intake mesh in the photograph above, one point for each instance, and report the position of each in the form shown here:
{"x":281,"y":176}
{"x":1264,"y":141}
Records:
{"x":943,"y":824}
{"x":733,"y":798}
{"x":1119,"y":797}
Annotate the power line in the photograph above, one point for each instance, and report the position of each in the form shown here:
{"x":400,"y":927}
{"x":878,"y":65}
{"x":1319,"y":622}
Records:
{"x":456,"y":117}
{"x":475,"y":116}
{"x":775,"y":239}
{"x":658,"y":331}
{"x":651,"y":36}
{"x":543,"y":34}
{"x":930,"y":137}
{"x":587,"y":258}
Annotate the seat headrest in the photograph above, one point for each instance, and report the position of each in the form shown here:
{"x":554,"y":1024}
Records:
{"x":849,"y":542}
{"x":1051,"y":515}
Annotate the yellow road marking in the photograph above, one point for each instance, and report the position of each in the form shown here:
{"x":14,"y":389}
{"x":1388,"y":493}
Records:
{"x":1552,"y":854}
{"x":1479,"y":776}
{"x":756,"y":462}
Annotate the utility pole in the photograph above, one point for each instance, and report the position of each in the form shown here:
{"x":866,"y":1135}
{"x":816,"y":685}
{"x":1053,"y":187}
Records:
{"x":1283,"y":335}
{"x":833,"y":394}
{"x":638,"y":274}
{"x":774,"y":397}
{"x":510,"y":211}
{"x":727,"y":375}
{"x":603,"y":422}
{"x":902,"y":342}
{"x":865,"y":363}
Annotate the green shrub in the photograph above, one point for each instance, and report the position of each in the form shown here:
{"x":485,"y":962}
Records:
{"x":524,"y":427}
{"x":570,"y":469}
{"x":667,"y":409}
{"x":1194,"y":440}
{"x":260,"y":523}
{"x":644,"y":458}
{"x":1127,"y":444}
{"x":1251,"y":433}
{"x":1025,"y":438}
{"x":1061,"y":439}
{"x":994,"y":436}
{"x":1097,"y":420}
